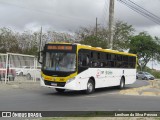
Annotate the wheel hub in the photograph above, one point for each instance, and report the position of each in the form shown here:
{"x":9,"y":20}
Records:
{"x":90,"y":87}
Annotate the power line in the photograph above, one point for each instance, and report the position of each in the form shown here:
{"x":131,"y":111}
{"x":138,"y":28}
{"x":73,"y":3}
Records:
{"x":143,"y":14}
{"x":141,"y":10}
{"x":149,"y":13}
{"x":45,"y":12}
{"x":137,"y":8}
{"x":105,"y":11}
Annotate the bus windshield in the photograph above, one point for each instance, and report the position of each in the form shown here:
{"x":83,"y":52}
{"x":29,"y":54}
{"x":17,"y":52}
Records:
{"x":60,"y":61}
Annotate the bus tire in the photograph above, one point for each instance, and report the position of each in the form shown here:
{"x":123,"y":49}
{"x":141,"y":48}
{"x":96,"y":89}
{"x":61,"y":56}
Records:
{"x":90,"y":87}
{"x":59,"y":90}
{"x":122,"y":83}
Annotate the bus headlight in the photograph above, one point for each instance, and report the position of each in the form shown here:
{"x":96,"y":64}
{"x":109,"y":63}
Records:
{"x":70,"y":80}
{"x":42,"y":77}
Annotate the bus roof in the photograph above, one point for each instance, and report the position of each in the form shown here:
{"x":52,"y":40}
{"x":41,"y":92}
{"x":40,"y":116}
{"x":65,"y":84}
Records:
{"x":88,"y":47}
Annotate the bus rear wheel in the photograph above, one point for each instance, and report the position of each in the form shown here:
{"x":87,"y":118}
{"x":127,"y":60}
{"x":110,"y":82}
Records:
{"x":59,"y":90}
{"x":90,"y":87}
{"x":122,"y":83}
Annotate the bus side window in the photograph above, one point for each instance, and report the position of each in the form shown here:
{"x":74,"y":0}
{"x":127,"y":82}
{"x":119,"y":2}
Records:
{"x":87,"y":59}
{"x":83,"y":60}
{"x":79,"y":60}
{"x":102,"y":64}
{"x":108,"y":64}
{"x":93,"y":63}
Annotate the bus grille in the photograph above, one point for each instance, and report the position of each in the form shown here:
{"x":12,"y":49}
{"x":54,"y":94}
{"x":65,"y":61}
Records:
{"x":59,"y":84}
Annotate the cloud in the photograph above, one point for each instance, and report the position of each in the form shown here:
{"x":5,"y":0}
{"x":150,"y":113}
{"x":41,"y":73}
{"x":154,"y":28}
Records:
{"x":69,"y":15}
{"x":124,"y":13}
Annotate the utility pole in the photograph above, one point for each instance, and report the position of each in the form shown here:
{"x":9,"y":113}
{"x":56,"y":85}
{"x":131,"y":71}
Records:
{"x":96,"y":26}
{"x":40,"y":40}
{"x":111,"y":23}
{"x":40,"y":45}
{"x":152,"y":60}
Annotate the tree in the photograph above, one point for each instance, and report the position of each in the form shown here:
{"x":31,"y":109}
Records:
{"x":94,"y":41}
{"x":122,"y":33}
{"x":88,"y":36}
{"x":8,"y":42}
{"x":28,"y":42}
{"x":145,"y":47}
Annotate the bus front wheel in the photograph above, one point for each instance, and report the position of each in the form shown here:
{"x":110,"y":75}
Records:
{"x":59,"y":90}
{"x":90,"y":87}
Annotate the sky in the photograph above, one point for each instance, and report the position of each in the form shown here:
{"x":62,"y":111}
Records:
{"x":70,"y":15}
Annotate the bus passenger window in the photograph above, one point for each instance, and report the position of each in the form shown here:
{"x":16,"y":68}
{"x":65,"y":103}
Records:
{"x":112,"y":64}
{"x":101,"y":64}
{"x":108,"y":64}
{"x":79,"y":60}
{"x":84,"y":60}
{"x":95,"y":64}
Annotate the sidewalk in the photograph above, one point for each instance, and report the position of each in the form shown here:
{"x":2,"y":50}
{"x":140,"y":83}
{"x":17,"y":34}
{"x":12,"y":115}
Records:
{"x":20,"y":85}
{"x":153,"y":89}
{"x":150,"y":92}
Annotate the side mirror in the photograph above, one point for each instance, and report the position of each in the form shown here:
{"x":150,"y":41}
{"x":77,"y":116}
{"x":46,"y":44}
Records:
{"x":40,"y":57}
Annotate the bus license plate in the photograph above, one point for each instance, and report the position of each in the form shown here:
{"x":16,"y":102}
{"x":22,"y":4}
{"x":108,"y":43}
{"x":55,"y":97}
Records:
{"x":54,"y":84}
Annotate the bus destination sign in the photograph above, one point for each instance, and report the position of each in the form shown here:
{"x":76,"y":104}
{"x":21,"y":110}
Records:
{"x":59,"y":47}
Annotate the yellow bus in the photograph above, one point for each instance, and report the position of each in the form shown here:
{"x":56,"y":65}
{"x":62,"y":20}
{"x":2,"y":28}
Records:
{"x":67,"y":66}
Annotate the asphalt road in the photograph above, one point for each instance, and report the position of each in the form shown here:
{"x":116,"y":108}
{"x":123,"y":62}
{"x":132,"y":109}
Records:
{"x":46,"y":99}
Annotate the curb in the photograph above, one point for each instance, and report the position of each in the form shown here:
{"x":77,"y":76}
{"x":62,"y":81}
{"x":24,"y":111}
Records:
{"x":130,"y":93}
{"x":134,"y":91}
{"x":148,"y":94}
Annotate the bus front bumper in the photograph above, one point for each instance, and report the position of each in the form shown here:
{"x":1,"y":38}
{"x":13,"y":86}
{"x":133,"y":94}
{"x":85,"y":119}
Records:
{"x":72,"y":85}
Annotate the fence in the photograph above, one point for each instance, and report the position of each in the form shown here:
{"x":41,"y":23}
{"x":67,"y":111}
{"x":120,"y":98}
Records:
{"x":18,"y":67}
{"x":3,"y":70}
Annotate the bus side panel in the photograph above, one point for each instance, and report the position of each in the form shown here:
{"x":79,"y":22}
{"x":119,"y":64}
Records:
{"x":130,"y":76}
{"x":91,"y":73}
{"x":106,"y":77}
